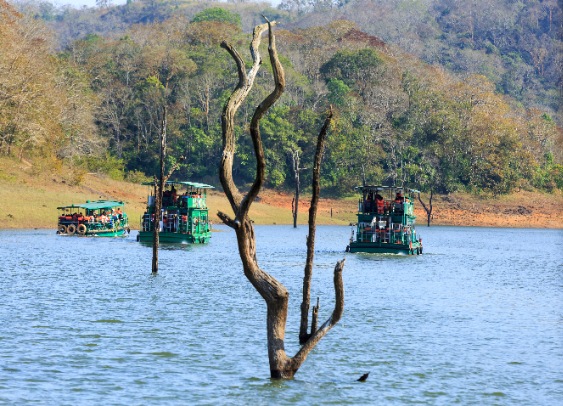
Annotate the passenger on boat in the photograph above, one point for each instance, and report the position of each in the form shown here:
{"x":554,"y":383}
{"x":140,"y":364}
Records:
{"x":380,"y":204}
{"x":166,"y":198}
{"x":182,"y":201}
{"x":104,"y":217}
{"x":368,"y":203}
{"x":399,"y":200}
{"x":164,"y":225}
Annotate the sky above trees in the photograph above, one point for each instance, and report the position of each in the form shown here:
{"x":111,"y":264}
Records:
{"x":92,"y":3}
{"x":80,"y":3}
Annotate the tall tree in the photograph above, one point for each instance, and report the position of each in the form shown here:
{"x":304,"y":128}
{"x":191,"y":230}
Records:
{"x":44,"y":107}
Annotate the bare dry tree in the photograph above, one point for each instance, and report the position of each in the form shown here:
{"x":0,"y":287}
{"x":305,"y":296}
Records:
{"x":296,"y":170}
{"x":272,"y":291}
{"x":159,"y":183}
{"x":427,"y":209}
{"x":316,"y":186}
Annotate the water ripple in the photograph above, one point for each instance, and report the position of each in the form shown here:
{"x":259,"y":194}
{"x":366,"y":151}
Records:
{"x":474,"y":320}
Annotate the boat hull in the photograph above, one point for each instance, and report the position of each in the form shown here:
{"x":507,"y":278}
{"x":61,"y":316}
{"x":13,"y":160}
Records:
{"x":109,"y":233}
{"x":99,"y":233}
{"x":385,"y":248}
{"x":173,"y":238}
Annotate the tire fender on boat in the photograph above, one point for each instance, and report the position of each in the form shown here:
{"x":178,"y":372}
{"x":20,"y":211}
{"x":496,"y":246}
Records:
{"x":62,"y":229}
{"x":71,"y":229}
{"x":82,"y":229}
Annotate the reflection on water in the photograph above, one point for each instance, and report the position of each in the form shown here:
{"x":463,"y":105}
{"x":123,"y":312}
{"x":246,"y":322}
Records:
{"x":475,"y":320}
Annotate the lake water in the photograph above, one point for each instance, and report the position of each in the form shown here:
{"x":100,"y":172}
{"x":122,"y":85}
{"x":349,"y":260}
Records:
{"x":475,"y":320}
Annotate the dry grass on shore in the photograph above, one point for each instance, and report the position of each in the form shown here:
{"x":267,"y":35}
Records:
{"x":29,"y":198}
{"x":521,"y":209}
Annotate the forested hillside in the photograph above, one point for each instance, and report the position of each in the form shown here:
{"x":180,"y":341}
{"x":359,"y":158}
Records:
{"x":517,"y":45}
{"x":88,"y":88}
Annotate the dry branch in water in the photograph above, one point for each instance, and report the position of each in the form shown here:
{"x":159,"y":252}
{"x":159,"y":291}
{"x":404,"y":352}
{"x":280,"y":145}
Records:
{"x":272,"y":291}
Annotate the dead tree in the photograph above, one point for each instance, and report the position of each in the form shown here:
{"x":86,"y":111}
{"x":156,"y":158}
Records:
{"x":303,"y":335}
{"x":427,"y":209}
{"x":159,"y":183}
{"x":272,"y":291}
{"x":296,"y":170}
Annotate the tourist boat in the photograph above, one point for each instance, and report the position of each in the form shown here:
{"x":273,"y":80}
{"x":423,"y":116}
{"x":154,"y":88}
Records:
{"x":184,"y":217}
{"x":386,"y":222}
{"x":100,"y":218}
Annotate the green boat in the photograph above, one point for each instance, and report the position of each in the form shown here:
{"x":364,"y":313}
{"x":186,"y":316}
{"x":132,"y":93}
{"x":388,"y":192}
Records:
{"x":386,"y":222}
{"x":101,"y":218}
{"x":184,"y":218}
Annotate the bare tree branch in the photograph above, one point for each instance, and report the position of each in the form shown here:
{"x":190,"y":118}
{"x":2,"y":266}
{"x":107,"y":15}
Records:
{"x":301,"y":355}
{"x":227,"y":220}
{"x":234,"y":102}
{"x":321,"y":140}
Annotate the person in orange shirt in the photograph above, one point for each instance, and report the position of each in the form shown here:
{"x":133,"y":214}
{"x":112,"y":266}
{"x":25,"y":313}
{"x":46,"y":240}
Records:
{"x":380,"y":204}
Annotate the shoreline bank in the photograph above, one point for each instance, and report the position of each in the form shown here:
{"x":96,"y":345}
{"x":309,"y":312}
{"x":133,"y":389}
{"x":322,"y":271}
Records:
{"x":29,"y":200}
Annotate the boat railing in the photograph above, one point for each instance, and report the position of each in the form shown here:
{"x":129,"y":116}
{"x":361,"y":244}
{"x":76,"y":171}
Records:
{"x":171,"y":222}
{"x":388,"y":207}
{"x":396,"y":234}
{"x":107,"y":225}
{"x":146,"y":222}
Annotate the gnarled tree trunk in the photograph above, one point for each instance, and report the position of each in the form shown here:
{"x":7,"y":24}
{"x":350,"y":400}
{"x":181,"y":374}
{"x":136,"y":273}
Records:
{"x":272,"y":291}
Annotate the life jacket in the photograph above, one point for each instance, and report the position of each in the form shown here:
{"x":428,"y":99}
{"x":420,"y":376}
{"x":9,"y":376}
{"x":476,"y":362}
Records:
{"x":380,"y":205}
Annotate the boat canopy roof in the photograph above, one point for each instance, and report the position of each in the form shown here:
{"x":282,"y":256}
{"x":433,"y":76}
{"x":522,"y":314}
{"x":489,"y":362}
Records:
{"x":385,"y":188}
{"x":95,"y":205}
{"x":184,"y":183}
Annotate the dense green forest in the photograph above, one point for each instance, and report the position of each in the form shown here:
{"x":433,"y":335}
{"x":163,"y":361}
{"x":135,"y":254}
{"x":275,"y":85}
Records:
{"x":437,"y":95}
